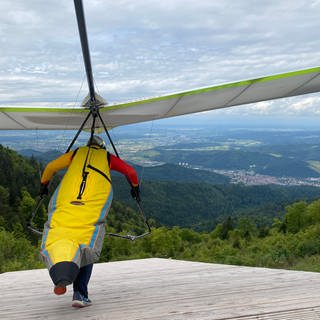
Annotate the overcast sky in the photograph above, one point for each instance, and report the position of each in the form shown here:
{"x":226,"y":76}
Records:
{"x":147,"y":48}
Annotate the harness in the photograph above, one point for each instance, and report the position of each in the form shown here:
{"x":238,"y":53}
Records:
{"x":94,"y":112}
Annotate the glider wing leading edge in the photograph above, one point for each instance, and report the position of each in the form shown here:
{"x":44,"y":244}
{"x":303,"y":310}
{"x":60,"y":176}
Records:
{"x":204,"y":99}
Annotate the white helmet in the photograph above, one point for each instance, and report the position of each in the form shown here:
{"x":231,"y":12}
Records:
{"x":96,"y":141}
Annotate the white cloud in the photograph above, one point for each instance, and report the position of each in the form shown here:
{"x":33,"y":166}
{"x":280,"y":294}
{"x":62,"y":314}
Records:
{"x":308,"y":106}
{"x":302,"y":107}
{"x":145,"y":48}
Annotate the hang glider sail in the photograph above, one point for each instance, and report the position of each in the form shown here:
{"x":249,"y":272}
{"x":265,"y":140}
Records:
{"x":198,"y":100}
{"x":192,"y":101}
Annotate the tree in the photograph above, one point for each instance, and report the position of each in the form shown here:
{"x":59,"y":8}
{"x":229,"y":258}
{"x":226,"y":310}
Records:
{"x":5,"y":210}
{"x":295,"y":217}
{"x":26,"y":206}
{"x":313,"y":213}
{"x":247,"y":228}
{"x":17,"y":253}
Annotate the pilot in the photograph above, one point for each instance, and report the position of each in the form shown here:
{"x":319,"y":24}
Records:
{"x":74,"y":233}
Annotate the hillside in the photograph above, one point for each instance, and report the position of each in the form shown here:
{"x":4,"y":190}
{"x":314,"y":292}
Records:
{"x":202,"y":205}
{"x":175,"y":195}
{"x":176,"y":173}
{"x":249,"y":236}
{"x":273,"y":164}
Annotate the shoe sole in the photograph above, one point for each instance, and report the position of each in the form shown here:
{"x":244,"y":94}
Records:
{"x":59,"y":290}
{"x":80,"y":304}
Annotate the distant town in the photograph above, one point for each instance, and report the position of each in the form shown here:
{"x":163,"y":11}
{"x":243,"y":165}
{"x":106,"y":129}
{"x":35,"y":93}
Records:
{"x":251,"y":178}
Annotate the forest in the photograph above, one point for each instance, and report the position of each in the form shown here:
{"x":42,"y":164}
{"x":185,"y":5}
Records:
{"x":288,"y":240}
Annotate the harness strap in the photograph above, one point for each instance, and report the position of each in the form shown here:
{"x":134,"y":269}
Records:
{"x":99,"y":171}
{"x":84,"y":177}
{"x":83,"y":184}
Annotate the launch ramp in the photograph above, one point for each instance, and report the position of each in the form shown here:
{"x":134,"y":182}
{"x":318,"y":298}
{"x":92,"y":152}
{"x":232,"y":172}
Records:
{"x":157,"y":289}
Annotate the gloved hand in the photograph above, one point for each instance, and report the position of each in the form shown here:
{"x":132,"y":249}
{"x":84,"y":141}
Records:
{"x":43,"y":190}
{"x":135,"y":193}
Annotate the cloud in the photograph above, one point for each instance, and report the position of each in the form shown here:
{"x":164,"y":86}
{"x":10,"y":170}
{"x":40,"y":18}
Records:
{"x":302,"y":107}
{"x":142,"y":48}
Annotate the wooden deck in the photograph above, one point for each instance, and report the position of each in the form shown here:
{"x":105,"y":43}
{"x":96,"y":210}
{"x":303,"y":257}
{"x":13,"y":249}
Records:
{"x":154,"y":289}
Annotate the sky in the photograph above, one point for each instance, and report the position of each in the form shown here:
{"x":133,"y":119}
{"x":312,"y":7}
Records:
{"x":146,"y":48}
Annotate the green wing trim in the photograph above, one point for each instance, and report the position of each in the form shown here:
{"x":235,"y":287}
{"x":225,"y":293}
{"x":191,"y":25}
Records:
{"x":241,"y":83}
{"x":191,"y":101}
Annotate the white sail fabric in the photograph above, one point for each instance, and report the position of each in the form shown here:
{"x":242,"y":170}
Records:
{"x":198,"y":100}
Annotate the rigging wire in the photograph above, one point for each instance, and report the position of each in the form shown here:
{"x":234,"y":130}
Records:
{"x":142,"y":166}
{"x":128,"y":236}
{"x":37,"y":161}
{"x":31,"y":225}
{"x":66,"y":123}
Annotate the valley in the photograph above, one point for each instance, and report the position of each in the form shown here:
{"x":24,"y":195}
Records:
{"x":249,"y":156}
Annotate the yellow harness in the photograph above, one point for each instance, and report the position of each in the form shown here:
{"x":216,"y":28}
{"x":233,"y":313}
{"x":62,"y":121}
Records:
{"x":77,"y":210}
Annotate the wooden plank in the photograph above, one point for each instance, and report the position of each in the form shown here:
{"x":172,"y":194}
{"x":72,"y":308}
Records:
{"x":157,"y":289}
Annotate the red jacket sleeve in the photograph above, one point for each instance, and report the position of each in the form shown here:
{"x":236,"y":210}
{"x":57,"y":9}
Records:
{"x":119,"y":165}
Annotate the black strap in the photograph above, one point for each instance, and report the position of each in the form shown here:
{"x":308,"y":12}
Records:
{"x":79,"y":131}
{"x":84,"y":177}
{"x":108,"y":134}
{"x":82,"y":185}
{"x":99,"y":171}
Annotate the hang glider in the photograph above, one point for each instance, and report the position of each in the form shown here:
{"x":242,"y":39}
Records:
{"x":181,"y":103}
{"x":176,"y":104}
